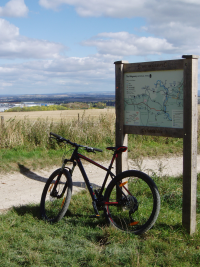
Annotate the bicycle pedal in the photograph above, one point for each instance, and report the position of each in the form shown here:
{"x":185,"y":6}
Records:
{"x":95,"y":216}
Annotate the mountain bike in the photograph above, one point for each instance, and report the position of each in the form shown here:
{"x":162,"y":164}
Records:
{"x":131,"y":201}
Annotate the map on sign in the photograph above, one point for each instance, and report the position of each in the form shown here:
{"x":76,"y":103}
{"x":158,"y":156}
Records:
{"x":154,"y":98}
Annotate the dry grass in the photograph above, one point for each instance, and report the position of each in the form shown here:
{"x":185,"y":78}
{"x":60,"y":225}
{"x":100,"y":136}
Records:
{"x":94,"y":126}
{"x":90,"y":127}
{"x":26,"y":134}
{"x":56,"y":115}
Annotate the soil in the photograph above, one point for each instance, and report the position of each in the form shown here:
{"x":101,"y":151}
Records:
{"x":25,"y":186}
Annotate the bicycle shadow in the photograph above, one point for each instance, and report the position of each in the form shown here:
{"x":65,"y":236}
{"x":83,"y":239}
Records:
{"x":83,"y":185}
{"x":72,"y":218}
{"x":76,"y":219}
{"x":32,"y":175}
{"x":32,"y":209}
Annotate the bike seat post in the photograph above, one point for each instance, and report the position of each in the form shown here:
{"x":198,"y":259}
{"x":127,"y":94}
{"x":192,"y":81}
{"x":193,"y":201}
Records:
{"x":112,"y":160}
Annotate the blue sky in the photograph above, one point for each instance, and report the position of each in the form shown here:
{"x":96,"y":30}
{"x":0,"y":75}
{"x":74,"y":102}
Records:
{"x":60,"y":46}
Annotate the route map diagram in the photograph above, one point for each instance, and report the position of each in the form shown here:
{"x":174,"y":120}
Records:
{"x":154,"y":98}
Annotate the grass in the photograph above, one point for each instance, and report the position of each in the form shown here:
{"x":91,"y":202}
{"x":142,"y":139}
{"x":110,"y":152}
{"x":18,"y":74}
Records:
{"x":33,"y":159}
{"x":36,"y":108}
{"x":28,"y":140}
{"x":77,"y":240}
{"x":56,"y":115}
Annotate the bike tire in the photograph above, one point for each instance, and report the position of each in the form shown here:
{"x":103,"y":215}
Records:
{"x":53,"y":208}
{"x":144,"y":194}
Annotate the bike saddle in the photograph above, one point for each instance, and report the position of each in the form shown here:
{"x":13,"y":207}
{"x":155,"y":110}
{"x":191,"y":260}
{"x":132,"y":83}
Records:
{"x":117,"y":149}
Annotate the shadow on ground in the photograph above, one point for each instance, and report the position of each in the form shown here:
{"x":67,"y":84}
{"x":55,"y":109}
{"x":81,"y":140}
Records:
{"x":33,"y":210}
{"x":75,"y":219}
{"x":32,"y":175}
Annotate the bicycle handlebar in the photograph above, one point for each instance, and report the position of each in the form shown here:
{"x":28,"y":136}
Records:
{"x":62,"y":139}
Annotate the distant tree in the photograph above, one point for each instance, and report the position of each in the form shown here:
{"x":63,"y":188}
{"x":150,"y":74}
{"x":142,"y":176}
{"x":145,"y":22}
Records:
{"x":37,"y":108}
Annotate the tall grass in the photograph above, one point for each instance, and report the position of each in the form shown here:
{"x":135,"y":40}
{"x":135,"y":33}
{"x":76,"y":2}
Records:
{"x":85,"y":130}
{"x":33,"y":134}
{"x":26,"y":138}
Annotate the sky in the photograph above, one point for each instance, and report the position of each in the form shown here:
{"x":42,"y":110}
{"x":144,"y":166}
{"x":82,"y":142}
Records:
{"x":61,"y":46}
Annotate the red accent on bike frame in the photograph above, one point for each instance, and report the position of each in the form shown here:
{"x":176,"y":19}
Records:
{"x":113,"y":160}
{"x":111,"y":203}
{"x":109,"y":215}
{"x":127,"y":190}
{"x":91,"y":161}
{"x":122,"y":148}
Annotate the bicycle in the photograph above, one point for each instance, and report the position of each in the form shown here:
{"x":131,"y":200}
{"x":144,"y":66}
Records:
{"x":131,"y":201}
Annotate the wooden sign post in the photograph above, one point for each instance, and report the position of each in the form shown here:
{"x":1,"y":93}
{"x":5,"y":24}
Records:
{"x":190,"y":142}
{"x":160,"y":98}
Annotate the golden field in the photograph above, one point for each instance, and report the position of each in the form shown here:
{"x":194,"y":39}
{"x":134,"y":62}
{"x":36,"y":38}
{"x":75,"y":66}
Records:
{"x":56,"y":115}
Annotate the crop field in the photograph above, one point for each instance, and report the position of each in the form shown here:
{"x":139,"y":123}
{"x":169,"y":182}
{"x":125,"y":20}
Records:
{"x":56,"y":115}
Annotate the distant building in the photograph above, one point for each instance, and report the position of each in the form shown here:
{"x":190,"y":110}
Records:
{"x":5,"y":106}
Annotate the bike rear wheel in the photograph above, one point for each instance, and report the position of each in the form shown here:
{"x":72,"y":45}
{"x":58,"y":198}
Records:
{"x":132,"y":202}
{"x":55,"y":200}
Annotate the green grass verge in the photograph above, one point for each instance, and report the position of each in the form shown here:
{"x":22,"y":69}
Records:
{"x":10,"y":159}
{"x":77,"y":240}
{"x":38,"y":157}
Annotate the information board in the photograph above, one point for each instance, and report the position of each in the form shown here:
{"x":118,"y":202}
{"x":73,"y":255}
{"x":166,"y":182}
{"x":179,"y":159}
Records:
{"x":160,"y":98}
{"x":154,"y":98}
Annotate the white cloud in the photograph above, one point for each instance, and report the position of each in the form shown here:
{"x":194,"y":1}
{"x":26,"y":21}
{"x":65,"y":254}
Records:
{"x":175,"y":32}
{"x":113,"y":8}
{"x":189,"y":1}
{"x":13,"y":45}
{"x":126,"y":8}
{"x":7,"y":30}
{"x":126,"y":44}
{"x":174,"y":24}
{"x":74,"y":67}
{"x":186,"y":38}
{"x":14,"y":8}
{"x":61,"y":75}
{"x":50,"y":4}
{"x":24,"y":47}
{"x":5,"y":84}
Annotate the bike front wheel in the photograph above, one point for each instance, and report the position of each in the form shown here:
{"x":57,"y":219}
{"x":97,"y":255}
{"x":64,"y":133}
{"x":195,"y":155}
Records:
{"x":132,"y":202}
{"x":56,"y":196}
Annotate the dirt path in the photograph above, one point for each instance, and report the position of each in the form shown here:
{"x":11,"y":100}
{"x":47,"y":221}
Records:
{"x":26,"y":186}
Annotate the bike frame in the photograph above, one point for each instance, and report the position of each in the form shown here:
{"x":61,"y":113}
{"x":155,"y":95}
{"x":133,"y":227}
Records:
{"x":76,"y":159}
{"x":96,"y":195}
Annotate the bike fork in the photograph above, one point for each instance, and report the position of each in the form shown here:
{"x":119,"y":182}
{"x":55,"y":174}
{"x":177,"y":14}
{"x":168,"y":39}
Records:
{"x":54,"y":192}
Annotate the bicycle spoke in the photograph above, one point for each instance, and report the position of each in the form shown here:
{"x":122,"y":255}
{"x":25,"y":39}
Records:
{"x":138,"y":204}
{"x":56,"y":196}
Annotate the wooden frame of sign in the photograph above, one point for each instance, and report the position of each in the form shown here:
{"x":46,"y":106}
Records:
{"x":160,"y":98}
